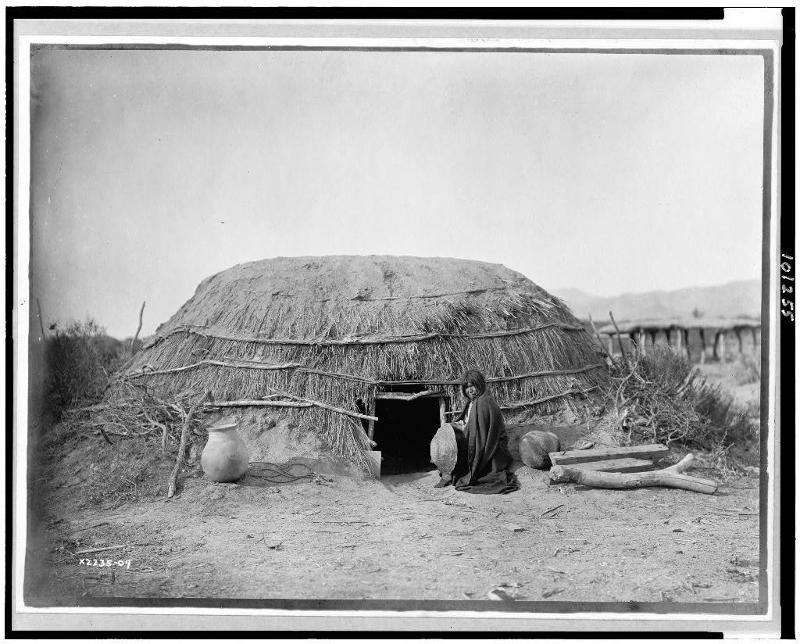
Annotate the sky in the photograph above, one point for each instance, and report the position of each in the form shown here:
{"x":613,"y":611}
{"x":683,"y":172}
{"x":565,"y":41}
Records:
{"x":609,"y":173}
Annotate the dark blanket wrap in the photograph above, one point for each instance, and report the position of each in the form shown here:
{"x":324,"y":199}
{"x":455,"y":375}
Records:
{"x":486,"y":469}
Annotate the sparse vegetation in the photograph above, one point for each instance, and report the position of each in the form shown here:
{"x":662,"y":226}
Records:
{"x":661,"y":397}
{"x":747,"y":369}
{"x":80,"y":359}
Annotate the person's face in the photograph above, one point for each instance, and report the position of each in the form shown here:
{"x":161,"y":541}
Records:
{"x":471,"y":391}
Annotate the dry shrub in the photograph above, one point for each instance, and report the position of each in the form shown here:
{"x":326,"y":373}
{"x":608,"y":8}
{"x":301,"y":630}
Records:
{"x":79,"y":360}
{"x":662,"y":398}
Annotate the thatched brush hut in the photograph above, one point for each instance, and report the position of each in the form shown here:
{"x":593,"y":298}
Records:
{"x":339,"y":342}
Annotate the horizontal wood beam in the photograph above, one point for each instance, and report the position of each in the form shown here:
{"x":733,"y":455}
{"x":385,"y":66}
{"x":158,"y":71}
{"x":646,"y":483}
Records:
{"x":617,"y":465}
{"x":398,"y":339}
{"x":608,"y":453}
{"x":399,"y":395}
{"x":297,"y":367}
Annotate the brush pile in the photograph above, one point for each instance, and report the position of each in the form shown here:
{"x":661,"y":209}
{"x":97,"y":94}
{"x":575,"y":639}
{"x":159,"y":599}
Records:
{"x":661,"y":397}
{"x":131,"y":411}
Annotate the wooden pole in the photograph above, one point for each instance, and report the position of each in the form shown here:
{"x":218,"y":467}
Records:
{"x":686,"y":344}
{"x":139,"y":328}
{"x":738,"y":332}
{"x":668,"y":333}
{"x":679,"y":340}
{"x":643,"y":341}
{"x":372,"y":419}
{"x":442,"y":411}
{"x":173,"y":479}
{"x":719,"y":342}
{"x":755,"y":339}
{"x":41,"y":322}
{"x":703,"y":346}
{"x":668,"y":477}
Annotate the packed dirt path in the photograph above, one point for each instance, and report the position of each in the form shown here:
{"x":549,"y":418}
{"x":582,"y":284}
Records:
{"x":337,"y":537}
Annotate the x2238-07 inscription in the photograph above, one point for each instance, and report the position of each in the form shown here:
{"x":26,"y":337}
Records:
{"x":106,"y":563}
{"x":787,"y":286}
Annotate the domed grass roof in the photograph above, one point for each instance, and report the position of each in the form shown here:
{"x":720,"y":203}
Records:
{"x":337,"y":329}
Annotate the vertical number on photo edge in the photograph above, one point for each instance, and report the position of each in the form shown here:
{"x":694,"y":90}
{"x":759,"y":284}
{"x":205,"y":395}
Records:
{"x":787,"y":286}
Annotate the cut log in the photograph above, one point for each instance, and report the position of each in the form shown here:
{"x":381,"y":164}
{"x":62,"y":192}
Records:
{"x":653,"y":452}
{"x":668,"y":477}
{"x":617,"y":465}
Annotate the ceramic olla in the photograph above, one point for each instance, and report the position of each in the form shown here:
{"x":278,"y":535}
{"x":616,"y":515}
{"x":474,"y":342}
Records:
{"x":225,"y":456}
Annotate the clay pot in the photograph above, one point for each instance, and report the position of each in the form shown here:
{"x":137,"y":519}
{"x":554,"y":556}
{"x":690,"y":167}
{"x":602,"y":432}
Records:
{"x":225,"y":456}
{"x":535,"y":448}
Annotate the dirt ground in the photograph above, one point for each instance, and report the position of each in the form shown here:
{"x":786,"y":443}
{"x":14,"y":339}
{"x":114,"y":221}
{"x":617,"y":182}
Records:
{"x":334,"y":536}
{"x":399,"y":538}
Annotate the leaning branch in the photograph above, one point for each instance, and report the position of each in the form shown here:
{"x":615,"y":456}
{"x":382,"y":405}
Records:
{"x":139,"y":328}
{"x":173,"y":479}
{"x":619,"y":336}
{"x":296,"y":401}
{"x":257,"y":403}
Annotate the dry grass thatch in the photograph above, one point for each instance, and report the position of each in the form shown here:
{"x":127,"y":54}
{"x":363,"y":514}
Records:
{"x":333,"y":330}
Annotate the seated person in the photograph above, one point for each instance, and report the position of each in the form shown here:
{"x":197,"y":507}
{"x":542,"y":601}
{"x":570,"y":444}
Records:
{"x":483,"y":461}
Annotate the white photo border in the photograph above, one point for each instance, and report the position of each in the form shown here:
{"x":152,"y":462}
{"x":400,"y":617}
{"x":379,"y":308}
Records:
{"x":430,"y":619}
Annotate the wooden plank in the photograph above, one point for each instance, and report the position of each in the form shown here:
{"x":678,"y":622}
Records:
{"x":371,"y":425}
{"x":606,"y":454}
{"x":618,"y":465}
{"x":374,"y":460}
{"x":442,"y":411}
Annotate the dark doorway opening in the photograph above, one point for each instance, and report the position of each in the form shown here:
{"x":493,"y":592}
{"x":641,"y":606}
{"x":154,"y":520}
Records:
{"x":404,"y":432}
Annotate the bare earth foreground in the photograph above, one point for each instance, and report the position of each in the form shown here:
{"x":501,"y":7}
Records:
{"x":337,"y":537}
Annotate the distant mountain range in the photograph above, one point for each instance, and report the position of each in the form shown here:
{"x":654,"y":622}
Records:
{"x":735,"y":299}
